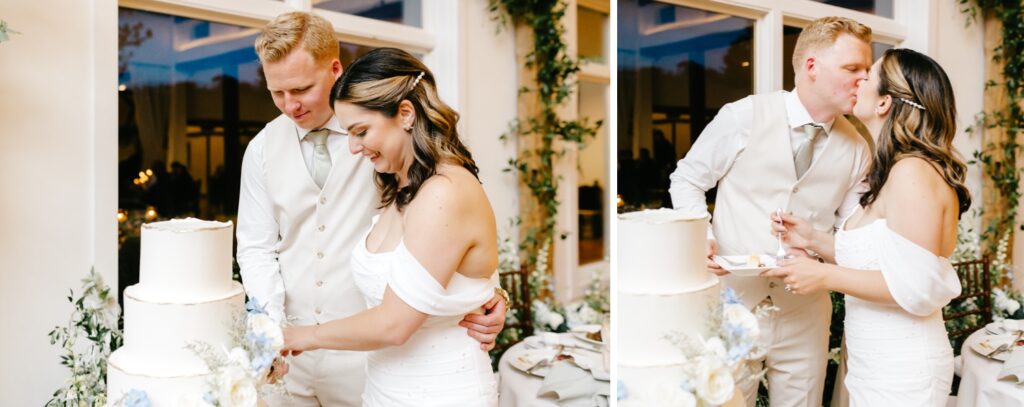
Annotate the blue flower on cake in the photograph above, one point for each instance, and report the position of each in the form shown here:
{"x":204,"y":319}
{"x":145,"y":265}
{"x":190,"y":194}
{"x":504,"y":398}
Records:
{"x":240,"y":372}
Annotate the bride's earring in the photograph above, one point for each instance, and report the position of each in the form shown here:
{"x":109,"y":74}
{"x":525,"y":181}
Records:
{"x":407,"y":128}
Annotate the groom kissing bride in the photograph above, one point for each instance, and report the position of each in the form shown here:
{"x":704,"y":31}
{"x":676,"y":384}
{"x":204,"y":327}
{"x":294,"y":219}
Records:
{"x":368,"y":296}
{"x":877,"y":226}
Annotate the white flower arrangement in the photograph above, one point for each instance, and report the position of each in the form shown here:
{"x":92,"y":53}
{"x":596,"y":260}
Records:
{"x":715,"y":365}
{"x":94,"y":322}
{"x":239,"y":373}
{"x":1004,"y":304}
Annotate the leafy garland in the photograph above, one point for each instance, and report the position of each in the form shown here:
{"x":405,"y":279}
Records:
{"x":543,"y":133}
{"x":4,"y":31}
{"x":999,"y":159}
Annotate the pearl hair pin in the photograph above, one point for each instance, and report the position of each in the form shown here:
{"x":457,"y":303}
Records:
{"x":912,"y":103}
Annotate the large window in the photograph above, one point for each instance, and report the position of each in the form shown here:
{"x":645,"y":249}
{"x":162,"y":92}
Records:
{"x":677,"y":67}
{"x":192,"y":95}
{"x":406,"y":12}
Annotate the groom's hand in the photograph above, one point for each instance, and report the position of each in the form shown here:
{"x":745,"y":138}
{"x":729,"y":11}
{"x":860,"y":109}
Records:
{"x":485,"y":328}
{"x":713,"y":267}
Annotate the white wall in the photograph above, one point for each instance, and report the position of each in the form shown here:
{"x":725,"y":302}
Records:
{"x":488,"y":101}
{"x":960,"y":51}
{"x":55,"y":152}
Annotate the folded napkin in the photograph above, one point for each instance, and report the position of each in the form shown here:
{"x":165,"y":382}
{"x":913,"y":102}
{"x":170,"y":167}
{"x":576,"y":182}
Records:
{"x":573,"y":386}
{"x":1013,"y":368}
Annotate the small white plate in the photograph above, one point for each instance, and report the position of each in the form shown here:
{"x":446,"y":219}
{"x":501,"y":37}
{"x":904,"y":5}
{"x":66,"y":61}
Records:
{"x":583,"y":337}
{"x":1004,"y":326}
{"x":991,"y":342}
{"x":530,"y":358}
{"x":741,"y":266}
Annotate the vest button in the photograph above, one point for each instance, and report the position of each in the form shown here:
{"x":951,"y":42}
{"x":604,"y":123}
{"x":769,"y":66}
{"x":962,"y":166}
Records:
{"x":321,"y":228}
{"x":319,"y":283}
{"x":796,"y":189}
{"x":323,"y":200}
{"x":319,"y":255}
{"x":772,"y":284}
{"x":317,"y":311}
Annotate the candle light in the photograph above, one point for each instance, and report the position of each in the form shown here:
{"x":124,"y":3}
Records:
{"x":122,"y":215}
{"x":150,"y":214}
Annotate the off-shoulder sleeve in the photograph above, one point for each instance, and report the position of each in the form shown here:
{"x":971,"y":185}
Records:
{"x":920,"y":282}
{"x":418,"y":288}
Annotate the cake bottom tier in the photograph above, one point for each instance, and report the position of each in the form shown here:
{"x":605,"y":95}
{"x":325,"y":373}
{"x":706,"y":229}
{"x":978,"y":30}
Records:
{"x":659,"y":386}
{"x":161,"y":389}
{"x":645,"y":321}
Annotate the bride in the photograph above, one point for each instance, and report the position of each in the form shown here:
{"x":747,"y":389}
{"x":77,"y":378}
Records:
{"x":429,"y":257}
{"x":891,"y":254}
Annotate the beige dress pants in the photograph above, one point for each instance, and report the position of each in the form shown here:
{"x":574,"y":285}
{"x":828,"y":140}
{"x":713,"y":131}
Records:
{"x":329,"y":378}
{"x":794,"y":346}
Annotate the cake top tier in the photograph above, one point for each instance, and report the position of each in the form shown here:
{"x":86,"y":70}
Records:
{"x":662,"y":215}
{"x":662,"y":251}
{"x":187,"y":225}
{"x":185,"y":260}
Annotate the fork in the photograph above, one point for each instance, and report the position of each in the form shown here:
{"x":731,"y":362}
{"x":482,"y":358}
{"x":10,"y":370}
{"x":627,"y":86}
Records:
{"x":780,"y":254}
{"x":1002,"y":348}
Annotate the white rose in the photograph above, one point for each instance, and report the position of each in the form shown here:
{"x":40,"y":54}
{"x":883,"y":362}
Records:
{"x":1012,"y":306}
{"x":714,"y":382}
{"x":239,"y":358}
{"x":236,"y":388}
{"x":716,"y":347}
{"x":261,"y":324}
{"x":738,"y":315}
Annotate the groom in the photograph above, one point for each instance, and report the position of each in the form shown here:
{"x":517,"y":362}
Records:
{"x":793,"y":151}
{"x":305,"y":202}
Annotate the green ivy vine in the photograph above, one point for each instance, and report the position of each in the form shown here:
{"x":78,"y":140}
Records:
{"x":543,"y":132}
{"x":999,"y":160}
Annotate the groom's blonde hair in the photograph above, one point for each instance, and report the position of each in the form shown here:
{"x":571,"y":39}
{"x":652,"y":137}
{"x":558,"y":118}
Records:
{"x":297,"y":29}
{"x":823,"y":32}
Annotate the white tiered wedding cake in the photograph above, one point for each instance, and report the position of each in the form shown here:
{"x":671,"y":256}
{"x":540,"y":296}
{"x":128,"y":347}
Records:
{"x":664,"y":288}
{"x":185,"y":294}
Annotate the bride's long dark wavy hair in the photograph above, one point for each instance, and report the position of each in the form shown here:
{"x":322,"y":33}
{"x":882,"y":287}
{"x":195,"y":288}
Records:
{"x":921,"y":122}
{"x":379,"y":81}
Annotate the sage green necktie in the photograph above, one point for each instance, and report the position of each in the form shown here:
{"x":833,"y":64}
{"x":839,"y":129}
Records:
{"x":805,"y":153}
{"x":321,"y":157}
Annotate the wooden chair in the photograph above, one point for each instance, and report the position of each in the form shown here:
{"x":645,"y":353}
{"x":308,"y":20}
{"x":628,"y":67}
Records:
{"x":518,"y":286}
{"x":977,"y":287}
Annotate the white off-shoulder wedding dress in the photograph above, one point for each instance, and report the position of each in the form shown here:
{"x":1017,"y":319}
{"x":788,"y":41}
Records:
{"x":897,"y":355}
{"x":440,"y":365}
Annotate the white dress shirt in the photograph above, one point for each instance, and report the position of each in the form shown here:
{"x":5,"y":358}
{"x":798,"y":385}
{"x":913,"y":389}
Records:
{"x":257,"y":230}
{"x":725,"y":138}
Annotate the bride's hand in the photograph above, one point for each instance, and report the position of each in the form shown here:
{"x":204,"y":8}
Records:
{"x":796,"y":232}
{"x":802,"y":275}
{"x":297,"y":339}
{"x":278,"y":369}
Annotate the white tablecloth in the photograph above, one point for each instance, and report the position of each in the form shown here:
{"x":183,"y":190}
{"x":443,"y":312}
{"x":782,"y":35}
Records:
{"x":978,"y":384}
{"x":518,"y":389}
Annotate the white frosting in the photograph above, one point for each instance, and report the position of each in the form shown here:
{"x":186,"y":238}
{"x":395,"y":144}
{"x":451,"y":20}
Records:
{"x":185,"y":294}
{"x":155,"y":334}
{"x":185,"y":260}
{"x":664,"y":288}
{"x":661,"y":251}
{"x":645,"y":320}
{"x":162,"y":390}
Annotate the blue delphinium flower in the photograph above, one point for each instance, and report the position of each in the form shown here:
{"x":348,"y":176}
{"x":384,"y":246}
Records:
{"x":729,"y":296}
{"x":209,"y":398}
{"x":622,"y":394}
{"x":254,"y":307}
{"x":262,"y":361}
{"x":136,"y":398}
{"x":739,"y":351}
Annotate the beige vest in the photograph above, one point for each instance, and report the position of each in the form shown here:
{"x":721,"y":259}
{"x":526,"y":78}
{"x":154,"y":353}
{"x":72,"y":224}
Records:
{"x":763,"y":178}
{"x":319,"y":228}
